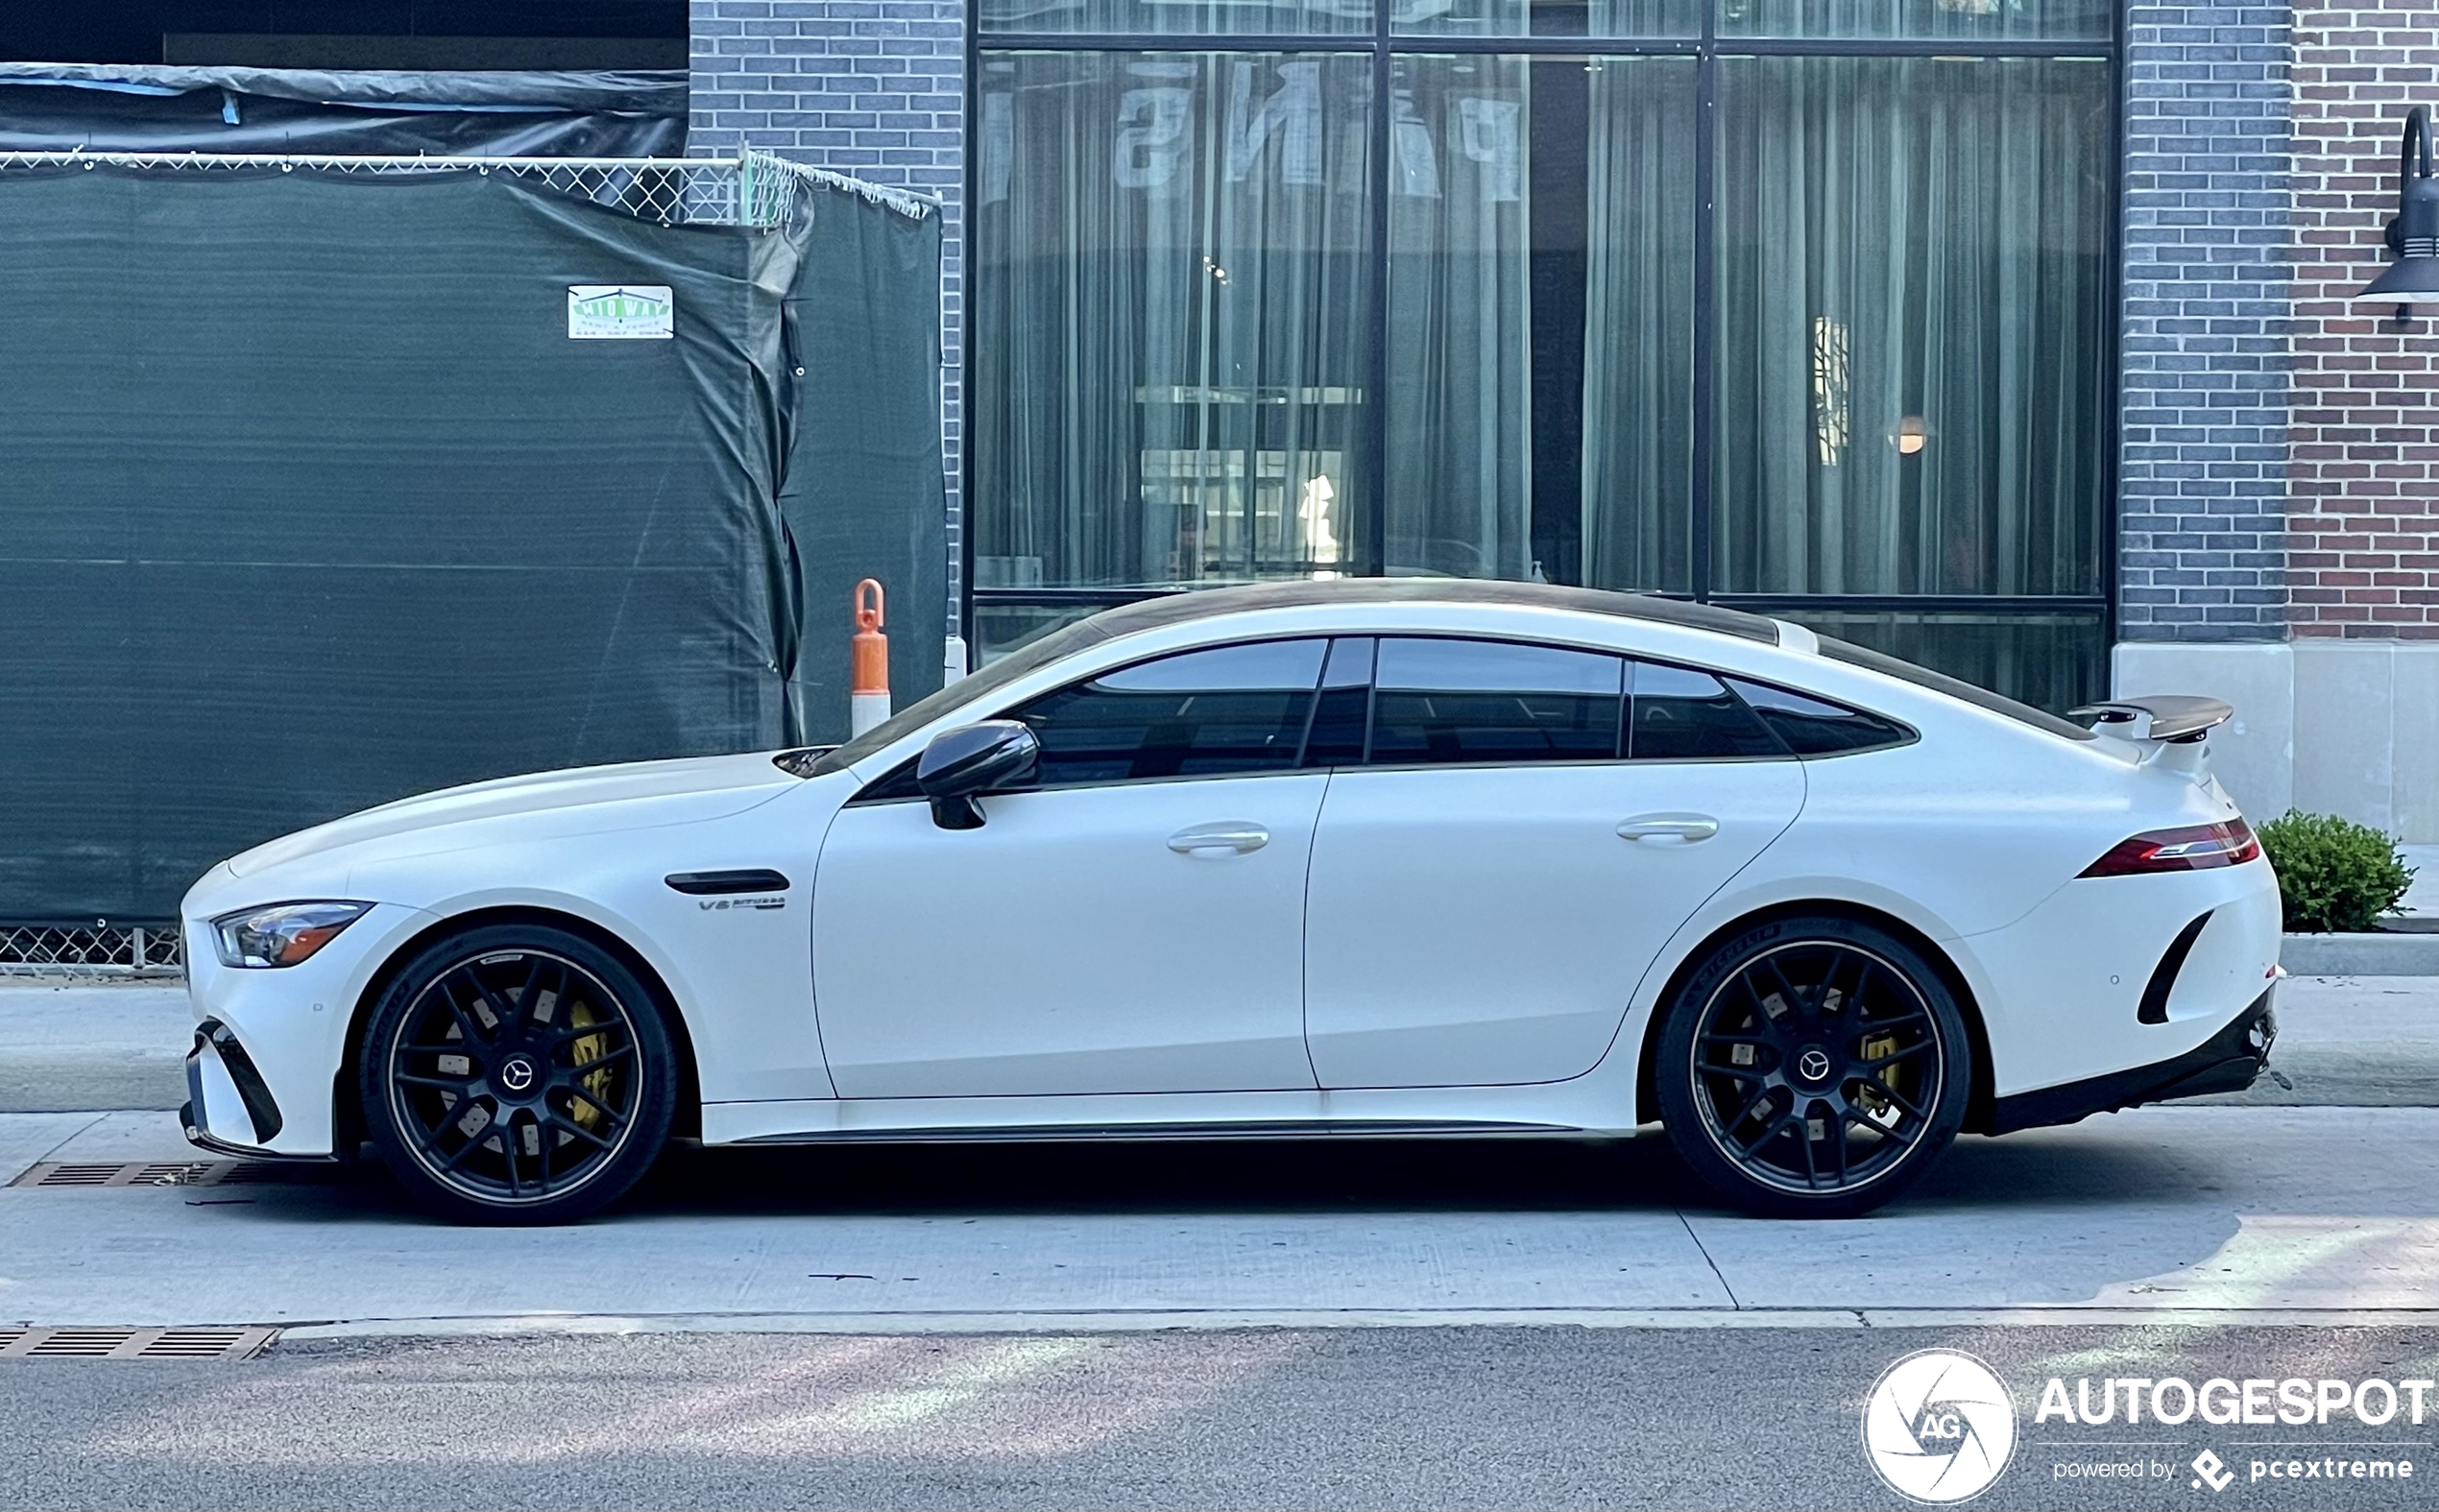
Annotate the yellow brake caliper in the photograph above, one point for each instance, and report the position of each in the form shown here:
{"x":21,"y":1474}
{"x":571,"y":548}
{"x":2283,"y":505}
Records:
{"x":587,"y":1110}
{"x":1881,"y":1110}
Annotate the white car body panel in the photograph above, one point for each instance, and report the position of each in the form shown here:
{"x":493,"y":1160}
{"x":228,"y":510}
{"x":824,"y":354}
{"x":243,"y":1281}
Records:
{"x":1484,"y":925}
{"x":1089,"y":956}
{"x":969,"y":983}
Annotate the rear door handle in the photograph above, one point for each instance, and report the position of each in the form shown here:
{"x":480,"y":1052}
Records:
{"x":1687,"y":827}
{"x":1226,"y":834}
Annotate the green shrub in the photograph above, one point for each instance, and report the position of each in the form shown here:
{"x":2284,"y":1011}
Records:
{"x":2333,"y":874}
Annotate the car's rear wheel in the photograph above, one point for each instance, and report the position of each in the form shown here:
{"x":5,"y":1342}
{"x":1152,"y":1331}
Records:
{"x":1812,"y":1066}
{"x":517,"y":1074}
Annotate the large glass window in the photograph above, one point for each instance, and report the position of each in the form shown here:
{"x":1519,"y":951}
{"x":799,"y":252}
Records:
{"x":1172,"y":329}
{"x":1970,"y":21}
{"x":1541,"y":319}
{"x":1177,"y":17}
{"x":1913,"y":326}
{"x":1799,"y":305}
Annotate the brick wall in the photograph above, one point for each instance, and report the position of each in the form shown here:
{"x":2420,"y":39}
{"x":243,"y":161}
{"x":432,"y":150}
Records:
{"x":869,"y":87}
{"x":2203,"y":469}
{"x":2363,"y":542}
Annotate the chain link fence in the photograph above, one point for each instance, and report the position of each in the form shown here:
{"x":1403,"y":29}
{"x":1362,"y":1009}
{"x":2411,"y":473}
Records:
{"x":100,"y":949}
{"x":754,"y":189}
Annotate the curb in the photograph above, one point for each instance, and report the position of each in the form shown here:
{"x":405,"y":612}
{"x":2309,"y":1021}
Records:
{"x":1118,"y":1321}
{"x":2360,"y":954}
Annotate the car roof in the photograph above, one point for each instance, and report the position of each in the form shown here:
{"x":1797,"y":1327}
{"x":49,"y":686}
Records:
{"x":1203,"y":603}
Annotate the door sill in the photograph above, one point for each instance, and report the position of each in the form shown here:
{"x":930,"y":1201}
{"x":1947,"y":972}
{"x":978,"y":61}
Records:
{"x":1284,"y":1129}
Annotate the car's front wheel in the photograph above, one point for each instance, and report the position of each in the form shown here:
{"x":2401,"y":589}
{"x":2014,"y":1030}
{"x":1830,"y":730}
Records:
{"x":517,"y":1073}
{"x":1812,"y":1068}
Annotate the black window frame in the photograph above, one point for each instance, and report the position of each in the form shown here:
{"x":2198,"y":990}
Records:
{"x":897,"y":784}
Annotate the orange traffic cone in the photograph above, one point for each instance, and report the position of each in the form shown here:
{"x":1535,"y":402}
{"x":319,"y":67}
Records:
{"x":868,"y":701}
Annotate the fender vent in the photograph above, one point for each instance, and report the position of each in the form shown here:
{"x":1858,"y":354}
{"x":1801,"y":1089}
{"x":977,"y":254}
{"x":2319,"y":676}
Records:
{"x":219,"y":1344}
{"x":2154,"y":1007}
{"x":160,"y":1173}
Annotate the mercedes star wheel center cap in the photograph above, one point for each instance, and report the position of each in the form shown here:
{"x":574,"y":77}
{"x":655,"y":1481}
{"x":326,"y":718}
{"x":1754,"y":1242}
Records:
{"x":515,"y":1074}
{"x":1812,"y":1064}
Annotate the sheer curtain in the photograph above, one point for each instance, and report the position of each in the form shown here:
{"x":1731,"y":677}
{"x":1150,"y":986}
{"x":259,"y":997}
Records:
{"x":1171,"y":335}
{"x":1638,"y":324}
{"x":1460,"y":319}
{"x":1911,"y":325}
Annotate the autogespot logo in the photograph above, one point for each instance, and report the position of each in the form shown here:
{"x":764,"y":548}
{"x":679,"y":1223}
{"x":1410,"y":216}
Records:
{"x":1939,"y":1427}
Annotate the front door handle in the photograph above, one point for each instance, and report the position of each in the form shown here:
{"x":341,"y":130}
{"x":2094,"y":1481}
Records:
{"x":1227,"y":834}
{"x":1686,"y":827}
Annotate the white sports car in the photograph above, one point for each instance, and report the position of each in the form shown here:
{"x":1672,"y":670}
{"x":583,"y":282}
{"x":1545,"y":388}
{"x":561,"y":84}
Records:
{"x":1388,"y":857}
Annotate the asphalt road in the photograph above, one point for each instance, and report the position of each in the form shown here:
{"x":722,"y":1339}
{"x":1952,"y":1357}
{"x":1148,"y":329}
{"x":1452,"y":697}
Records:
{"x":1431,"y":1418}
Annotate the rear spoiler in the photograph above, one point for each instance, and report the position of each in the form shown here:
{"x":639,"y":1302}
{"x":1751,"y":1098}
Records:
{"x":2171,"y":731}
{"x":2167,"y":717}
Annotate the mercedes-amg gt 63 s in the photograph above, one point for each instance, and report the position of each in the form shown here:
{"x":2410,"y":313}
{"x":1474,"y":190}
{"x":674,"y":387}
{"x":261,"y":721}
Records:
{"x":1390,"y":857}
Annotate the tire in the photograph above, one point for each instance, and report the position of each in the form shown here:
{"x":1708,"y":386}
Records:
{"x":1799,"y":1029}
{"x":517,"y":1074}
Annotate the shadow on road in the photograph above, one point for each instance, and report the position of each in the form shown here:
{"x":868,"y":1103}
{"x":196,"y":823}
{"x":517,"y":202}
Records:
{"x":1640,"y":1173}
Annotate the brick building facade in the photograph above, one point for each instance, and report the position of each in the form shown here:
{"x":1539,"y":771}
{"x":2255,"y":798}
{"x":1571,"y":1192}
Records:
{"x":2276,"y":464}
{"x":874,"y":88}
{"x":2326,"y":631}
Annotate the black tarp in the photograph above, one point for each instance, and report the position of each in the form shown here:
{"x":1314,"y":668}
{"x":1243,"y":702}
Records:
{"x":868,"y":500}
{"x":308,"y":500}
{"x":499,"y":113}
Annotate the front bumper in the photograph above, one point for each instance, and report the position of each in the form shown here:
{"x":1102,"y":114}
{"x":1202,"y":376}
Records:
{"x":2229,"y":1061}
{"x":226,"y":1098}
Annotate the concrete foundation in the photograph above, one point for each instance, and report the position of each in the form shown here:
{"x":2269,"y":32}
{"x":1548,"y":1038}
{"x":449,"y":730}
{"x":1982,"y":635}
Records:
{"x":2327,"y":726}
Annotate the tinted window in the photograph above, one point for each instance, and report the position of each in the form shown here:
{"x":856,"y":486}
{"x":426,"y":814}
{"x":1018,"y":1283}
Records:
{"x":1344,"y":709}
{"x":1682,"y":715}
{"x":1814,"y":727}
{"x":1466,"y":701}
{"x":1200,"y":713}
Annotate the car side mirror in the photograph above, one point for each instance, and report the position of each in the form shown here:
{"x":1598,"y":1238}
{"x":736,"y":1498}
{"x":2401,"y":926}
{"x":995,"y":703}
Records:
{"x":961,"y":763}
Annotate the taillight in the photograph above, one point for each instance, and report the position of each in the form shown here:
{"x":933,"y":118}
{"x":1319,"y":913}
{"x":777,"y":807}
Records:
{"x":2194,"y":849}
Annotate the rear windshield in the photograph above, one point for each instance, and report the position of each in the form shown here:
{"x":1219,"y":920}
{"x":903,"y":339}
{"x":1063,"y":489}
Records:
{"x":1853,"y":655}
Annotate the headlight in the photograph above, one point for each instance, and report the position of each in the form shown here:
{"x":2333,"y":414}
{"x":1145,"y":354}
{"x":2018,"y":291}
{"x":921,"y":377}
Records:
{"x":283,"y":933}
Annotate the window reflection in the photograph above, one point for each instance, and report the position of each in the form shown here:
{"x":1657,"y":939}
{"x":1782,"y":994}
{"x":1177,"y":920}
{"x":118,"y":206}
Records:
{"x":1232,"y":709}
{"x":1542,"y":320}
{"x":1173,"y":328}
{"x":1912,"y":325}
{"x":1177,"y":17}
{"x":1444,"y":702}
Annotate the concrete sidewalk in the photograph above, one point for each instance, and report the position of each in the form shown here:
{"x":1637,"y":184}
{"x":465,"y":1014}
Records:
{"x":2369,"y":1041}
{"x":2319,"y":1214}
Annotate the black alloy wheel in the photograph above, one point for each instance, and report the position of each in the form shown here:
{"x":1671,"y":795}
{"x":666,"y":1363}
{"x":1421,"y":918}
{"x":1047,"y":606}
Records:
{"x":517,"y":1074}
{"x":1813,"y":1067}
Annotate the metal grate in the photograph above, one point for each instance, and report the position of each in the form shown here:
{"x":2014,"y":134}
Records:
{"x":194,"y":1343}
{"x":754,"y":189}
{"x":100,"y":949}
{"x":161,"y":1173}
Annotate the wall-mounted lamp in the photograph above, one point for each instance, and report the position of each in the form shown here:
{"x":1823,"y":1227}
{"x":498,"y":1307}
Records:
{"x":2413,"y":236}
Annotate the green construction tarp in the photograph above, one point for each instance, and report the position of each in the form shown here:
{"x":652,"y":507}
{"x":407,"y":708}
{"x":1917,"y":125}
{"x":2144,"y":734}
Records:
{"x":309,"y":498}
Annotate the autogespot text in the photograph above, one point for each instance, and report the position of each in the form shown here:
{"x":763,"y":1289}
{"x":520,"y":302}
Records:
{"x":2293,"y":1401}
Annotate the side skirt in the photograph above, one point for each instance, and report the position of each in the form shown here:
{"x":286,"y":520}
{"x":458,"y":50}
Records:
{"x":1022,"y":1133}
